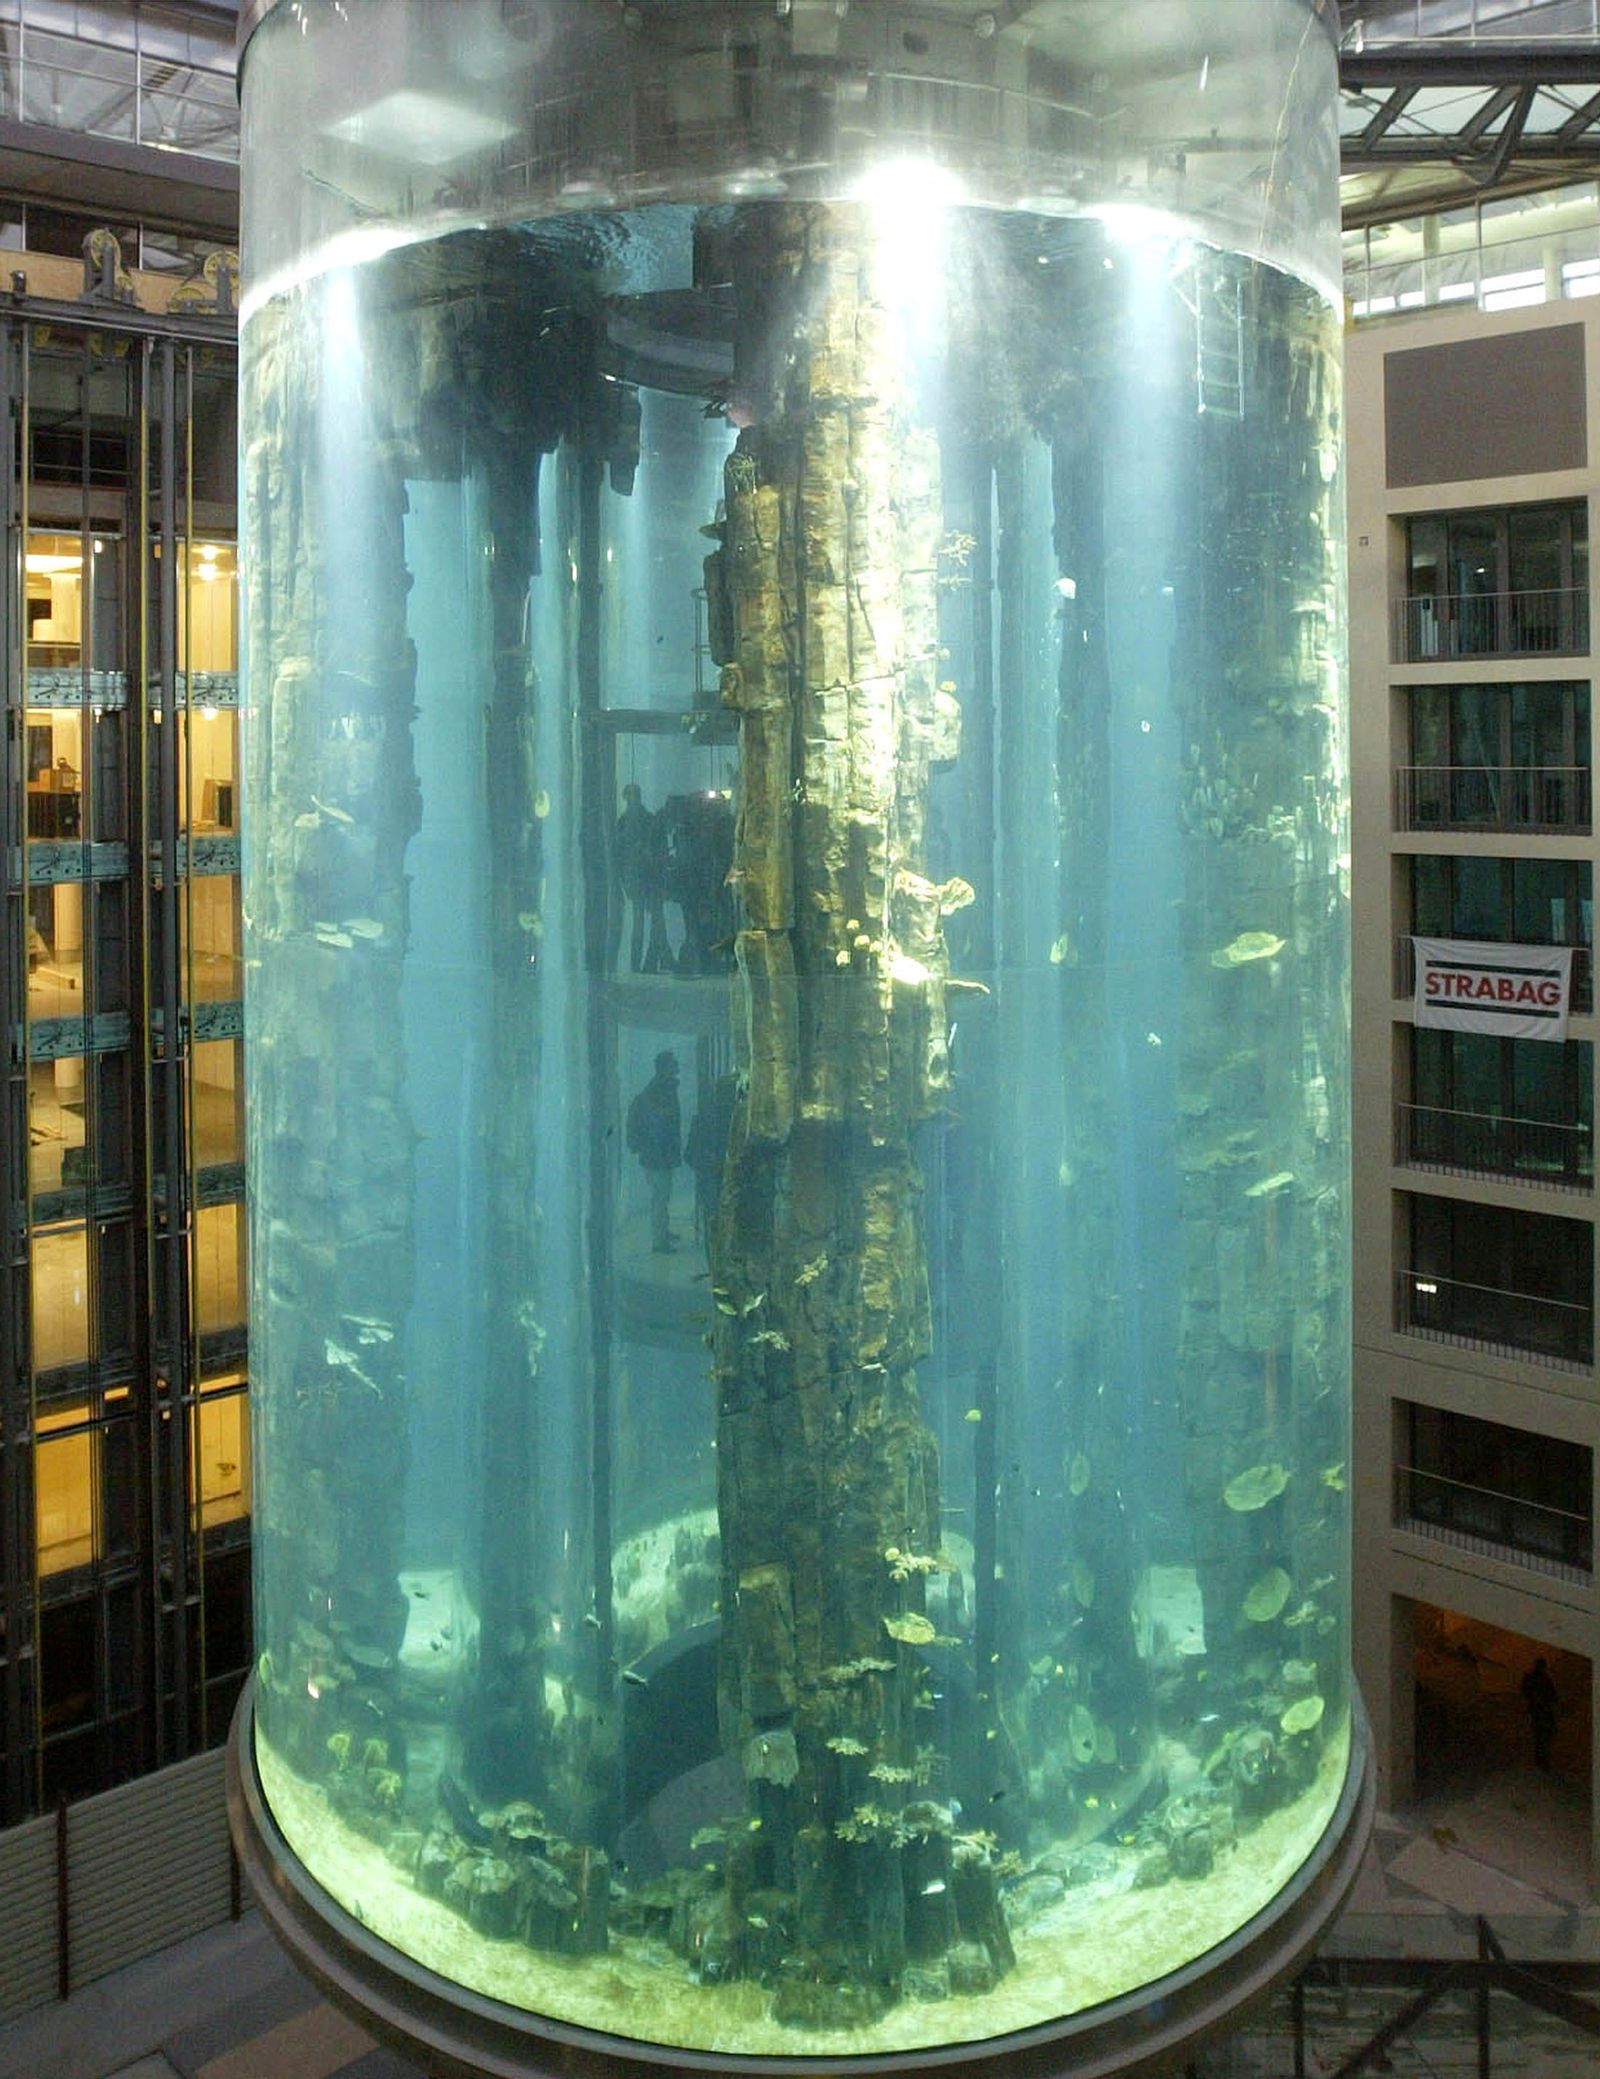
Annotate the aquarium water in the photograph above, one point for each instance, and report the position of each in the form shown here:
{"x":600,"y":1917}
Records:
{"x":796,"y":872}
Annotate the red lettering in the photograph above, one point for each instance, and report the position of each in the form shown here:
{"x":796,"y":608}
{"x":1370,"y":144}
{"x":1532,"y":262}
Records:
{"x":1451,"y":985}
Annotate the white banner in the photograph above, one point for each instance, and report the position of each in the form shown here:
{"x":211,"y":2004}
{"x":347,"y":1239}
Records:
{"x":1467,"y":985}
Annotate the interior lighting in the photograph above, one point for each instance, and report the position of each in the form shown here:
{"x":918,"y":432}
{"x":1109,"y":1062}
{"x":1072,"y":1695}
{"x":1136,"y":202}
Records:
{"x":41,"y":564}
{"x":912,"y":186}
{"x":422,"y":129}
{"x":1135,"y":223}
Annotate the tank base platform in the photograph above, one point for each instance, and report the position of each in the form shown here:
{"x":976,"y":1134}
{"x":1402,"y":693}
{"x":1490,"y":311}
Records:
{"x":455,"y":2031}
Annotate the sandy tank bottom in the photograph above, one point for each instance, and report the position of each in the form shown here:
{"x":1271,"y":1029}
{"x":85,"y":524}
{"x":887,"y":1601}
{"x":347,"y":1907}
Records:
{"x":1103,"y":1939}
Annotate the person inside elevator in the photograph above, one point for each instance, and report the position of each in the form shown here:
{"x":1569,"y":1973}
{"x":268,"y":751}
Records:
{"x":639,"y":857}
{"x":655,"y":1136}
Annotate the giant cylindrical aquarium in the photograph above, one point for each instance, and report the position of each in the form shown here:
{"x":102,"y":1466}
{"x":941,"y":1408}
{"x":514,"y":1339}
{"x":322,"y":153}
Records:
{"x":796,"y":996}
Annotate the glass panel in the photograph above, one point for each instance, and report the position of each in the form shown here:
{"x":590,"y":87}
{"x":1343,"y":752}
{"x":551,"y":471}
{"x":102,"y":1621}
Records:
{"x":1430,"y":726}
{"x":212,"y":738}
{"x":209,"y":937}
{"x":217,"y":1102}
{"x":208,"y":618}
{"x":55,"y":773}
{"x":72,"y":84}
{"x":1478,"y":712}
{"x":60,"y":1298}
{"x":1479,"y":907}
{"x":1475,"y":583}
{"x":1432,"y":896}
{"x":223,"y":1424}
{"x":64,"y":1490}
{"x":1540,"y":716}
{"x":1427,"y":558}
{"x":1543,"y":1079}
{"x":57,"y":1158}
{"x":1431,"y":1080}
{"x":120,"y":1481}
{"x":1476,"y":1072}
{"x":68,"y":1656}
{"x":219,"y":1277}
{"x":1546,"y":912}
{"x":1535,"y":539}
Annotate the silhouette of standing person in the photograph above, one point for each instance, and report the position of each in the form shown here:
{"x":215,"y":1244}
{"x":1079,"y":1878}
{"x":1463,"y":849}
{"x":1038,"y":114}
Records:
{"x":639,"y":854}
{"x":655,"y":1135}
{"x":1539,"y":1694}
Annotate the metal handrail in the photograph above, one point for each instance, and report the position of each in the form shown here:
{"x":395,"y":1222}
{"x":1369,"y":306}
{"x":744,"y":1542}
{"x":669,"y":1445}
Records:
{"x":1542,"y":1151}
{"x":1493,"y":797}
{"x":1491,"y":1319}
{"x":1557,"y":1541}
{"x":1433,"y":625}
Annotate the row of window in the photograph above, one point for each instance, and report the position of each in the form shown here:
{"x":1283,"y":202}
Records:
{"x":82,"y":1285}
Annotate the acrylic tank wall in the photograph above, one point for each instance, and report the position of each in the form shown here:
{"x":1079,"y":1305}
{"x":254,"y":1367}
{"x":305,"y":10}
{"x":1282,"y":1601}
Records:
{"x":796,"y":1018}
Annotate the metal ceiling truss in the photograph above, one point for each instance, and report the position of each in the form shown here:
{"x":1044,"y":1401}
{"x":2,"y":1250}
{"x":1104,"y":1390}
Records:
{"x":1514,"y":108}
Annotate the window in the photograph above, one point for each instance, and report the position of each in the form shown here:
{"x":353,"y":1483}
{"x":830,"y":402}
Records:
{"x":63,"y":1485}
{"x":1491,"y":1485}
{"x":1500,"y":757}
{"x":220,"y":1295}
{"x":60,"y":1298}
{"x":1512,"y":1283}
{"x":1486,"y":1106}
{"x":209,"y":802}
{"x":1511,"y":581}
{"x":210,"y":936}
{"x":208,"y":630}
{"x":221,"y":1467}
{"x":217,"y":1103}
{"x":1540,"y":902}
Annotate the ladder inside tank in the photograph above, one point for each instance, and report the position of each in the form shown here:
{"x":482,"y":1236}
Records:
{"x":1218,"y":344}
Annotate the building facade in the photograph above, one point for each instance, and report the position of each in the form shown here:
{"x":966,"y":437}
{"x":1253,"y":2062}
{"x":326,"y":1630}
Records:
{"x":124,"y":1440}
{"x":1472,"y":486}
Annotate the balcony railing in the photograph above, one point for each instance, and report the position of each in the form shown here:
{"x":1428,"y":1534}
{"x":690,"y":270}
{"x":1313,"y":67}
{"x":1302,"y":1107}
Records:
{"x":1483,"y":1144}
{"x":1497,"y":1526}
{"x":1492,"y":797}
{"x":1520,"y":1325}
{"x":1405,"y":970}
{"x":1432,"y":626}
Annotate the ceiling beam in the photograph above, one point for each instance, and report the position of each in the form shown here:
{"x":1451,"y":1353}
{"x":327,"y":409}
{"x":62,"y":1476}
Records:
{"x":1393,"y":108}
{"x":1492,"y":63}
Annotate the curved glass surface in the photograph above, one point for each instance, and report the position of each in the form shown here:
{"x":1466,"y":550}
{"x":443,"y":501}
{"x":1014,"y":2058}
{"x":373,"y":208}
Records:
{"x":796,"y":996}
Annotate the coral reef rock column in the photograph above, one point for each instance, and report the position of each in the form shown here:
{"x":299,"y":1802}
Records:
{"x":827,"y":1472}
